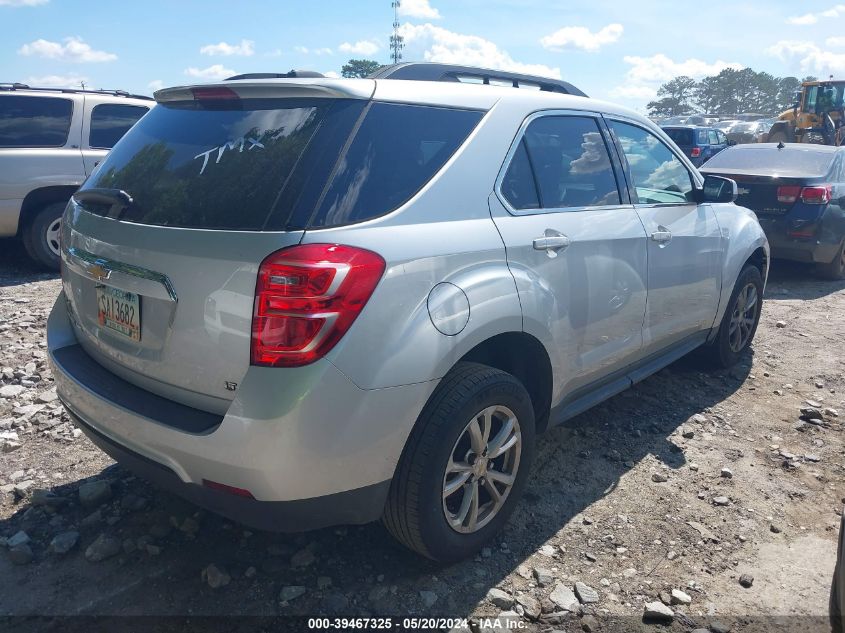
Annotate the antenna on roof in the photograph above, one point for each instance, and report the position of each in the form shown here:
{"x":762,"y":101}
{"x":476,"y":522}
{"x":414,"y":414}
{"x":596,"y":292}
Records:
{"x":396,"y":40}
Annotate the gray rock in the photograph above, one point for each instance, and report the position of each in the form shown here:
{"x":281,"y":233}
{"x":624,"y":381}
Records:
{"x":687,"y":432}
{"x":585,"y":593}
{"x":727,"y":473}
{"x":21,"y":554}
{"x":543,"y":576}
{"x":720,"y":627}
{"x":746,"y":580}
{"x":335,"y":602}
{"x":780,"y":324}
{"x":428,"y":598}
{"x":589,"y":624}
{"x":680,"y":597}
{"x":132,"y":502}
{"x":812,"y":457}
{"x":659,"y":478}
{"x":215,"y":576}
{"x":18,"y":538}
{"x":47,"y":396}
{"x":103,"y":547}
{"x":499,"y":598}
{"x":658,"y":611}
{"x":189,"y":526}
{"x":93,"y":493}
{"x":291,"y":592}
{"x":721,"y":501}
{"x":92,"y":519}
{"x":11,"y":391}
{"x":564,"y":598}
{"x":302,"y":558}
{"x":530,"y":605}
{"x":48,"y":498}
{"x":63,"y":542}
{"x":775,"y":528}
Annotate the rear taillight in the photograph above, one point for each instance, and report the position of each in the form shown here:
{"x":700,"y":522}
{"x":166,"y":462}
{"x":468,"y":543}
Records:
{"x":818,"y":194}
{"x":788,"y":194}
{"x":306,"y":298}
{"x":696,"y":152}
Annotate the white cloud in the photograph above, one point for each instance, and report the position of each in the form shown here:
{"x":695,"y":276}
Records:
{"x":660,"y":68}
{"x":155,"y":84}
{"x":811,"y":18}
{"x":276,"y":52}
{"x":332,"y":74}
{"x":214,"y":72}
{"x":56,"y":81}
{"x":22,"y":3}
{"x":362,"y":47}
{"x":581,"y":38}
{"x":436,"y":44}
{"x":420,"y":9}
{"x":835,"y":41}
{"x":73,"y":50}
{"x":301,"y":49}
{"x":245,"y":49}
{"x":315,"y":51}
{"x":809,"y":56}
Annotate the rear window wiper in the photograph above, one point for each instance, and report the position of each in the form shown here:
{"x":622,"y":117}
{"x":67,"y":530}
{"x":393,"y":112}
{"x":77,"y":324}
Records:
{"x":108,"y":202}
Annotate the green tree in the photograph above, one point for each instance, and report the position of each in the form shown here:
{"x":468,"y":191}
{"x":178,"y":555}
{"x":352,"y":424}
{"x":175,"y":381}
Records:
{"x":787,"y":87}
{"x":675,"y":98}
{"x":359,"y":68}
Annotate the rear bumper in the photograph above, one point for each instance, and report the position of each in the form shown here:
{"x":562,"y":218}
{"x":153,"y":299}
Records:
{"x":808,"y":251}
{"x":307,"y":443}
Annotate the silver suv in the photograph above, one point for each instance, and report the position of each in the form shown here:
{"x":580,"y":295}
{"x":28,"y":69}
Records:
{"x":304,"y":302}
{"x":50,"y":140}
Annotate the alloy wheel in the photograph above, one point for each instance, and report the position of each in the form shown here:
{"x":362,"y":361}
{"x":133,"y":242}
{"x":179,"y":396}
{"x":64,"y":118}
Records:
{"x":51,"y":235}
{"x":743,"y":318}
{"x":482,"y":469}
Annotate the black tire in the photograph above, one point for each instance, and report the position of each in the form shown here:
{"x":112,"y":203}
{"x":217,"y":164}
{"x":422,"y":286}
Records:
{"x":35,"y":236}
{"x":719,"y":351}
{"x":836,"y":269}
{"x":414,"y":513}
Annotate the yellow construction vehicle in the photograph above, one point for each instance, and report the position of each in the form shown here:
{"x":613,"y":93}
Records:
{"x":816,"y":117}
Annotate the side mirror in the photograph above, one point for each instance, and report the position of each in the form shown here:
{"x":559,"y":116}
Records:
{"x":731,"y":142}
{"x":717,"y":189}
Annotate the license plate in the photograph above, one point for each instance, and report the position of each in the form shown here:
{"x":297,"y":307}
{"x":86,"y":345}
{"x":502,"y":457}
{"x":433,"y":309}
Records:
{"x":120,"y":311}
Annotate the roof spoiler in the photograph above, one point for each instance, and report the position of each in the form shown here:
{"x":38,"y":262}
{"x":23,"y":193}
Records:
{"x":293,"y":74}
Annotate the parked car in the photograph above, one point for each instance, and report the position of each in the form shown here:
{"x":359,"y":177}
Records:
{"x":797,"y":191}
{"x":698,"y":143}
{"x":726,"y":125}
{"x":748,"y":132}
{"x":50,"y":141}
{"x":304,"y":302}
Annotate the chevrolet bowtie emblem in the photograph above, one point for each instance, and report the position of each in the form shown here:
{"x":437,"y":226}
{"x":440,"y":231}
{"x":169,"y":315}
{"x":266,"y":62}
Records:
{"x":98,"y":272}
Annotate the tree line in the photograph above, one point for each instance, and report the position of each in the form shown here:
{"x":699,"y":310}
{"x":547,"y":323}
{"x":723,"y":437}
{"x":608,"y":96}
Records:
{"x":729,"y":92}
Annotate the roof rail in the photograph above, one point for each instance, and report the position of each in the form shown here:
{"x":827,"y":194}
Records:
{"x":8,"y":87}
{"x":427,"y":71}
{"x":293,"y":74}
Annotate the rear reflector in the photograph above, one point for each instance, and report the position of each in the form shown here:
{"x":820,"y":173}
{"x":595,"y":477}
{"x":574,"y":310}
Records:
{"x":306,"y":298}
{"x":238,"y":492}
{"x":213,"y":93}
{"x":696,"y":152}
{"x":788,"y":194}
{"x":819,"y":194}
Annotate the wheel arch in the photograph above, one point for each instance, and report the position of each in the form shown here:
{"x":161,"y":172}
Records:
{"x":37,"y":199}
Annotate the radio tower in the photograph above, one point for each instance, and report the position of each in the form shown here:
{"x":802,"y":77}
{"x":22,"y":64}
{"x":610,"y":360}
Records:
{"x":396,"y":40}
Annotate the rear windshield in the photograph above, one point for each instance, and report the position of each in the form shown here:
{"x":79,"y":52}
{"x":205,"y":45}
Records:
{"x":34,"y":121}
{"x":276,"y":164}
{"x":680,"y":136}
{"x":770,"y":160}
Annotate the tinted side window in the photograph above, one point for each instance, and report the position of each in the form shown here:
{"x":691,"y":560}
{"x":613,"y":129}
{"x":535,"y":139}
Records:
{"x":702,"y":137}
{"x":571,"y":163}
{"x":34,"y":121}
{"x":109,"y":122}
{"x":721,"y":136}
{"x":659,"y":176}
{"x":396,"y":151}
{"x":518,"y":185}
{"x":714,"y":138}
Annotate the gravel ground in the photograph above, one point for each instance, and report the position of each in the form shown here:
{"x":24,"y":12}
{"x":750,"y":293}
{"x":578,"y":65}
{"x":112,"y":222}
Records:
{"x":701,"y":491}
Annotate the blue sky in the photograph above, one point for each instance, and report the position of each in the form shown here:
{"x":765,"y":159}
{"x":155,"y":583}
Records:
{"x":608,"y":49}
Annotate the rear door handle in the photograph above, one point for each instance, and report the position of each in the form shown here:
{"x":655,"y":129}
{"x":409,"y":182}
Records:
{"x":661,"y":236}
{"x":551,"y":242}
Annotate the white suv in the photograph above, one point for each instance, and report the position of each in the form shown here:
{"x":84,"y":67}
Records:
{"x":50,"y":140}
{"x":302,"y":302}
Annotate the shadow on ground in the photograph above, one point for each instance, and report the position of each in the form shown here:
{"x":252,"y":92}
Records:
{"x":16,"y":267}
